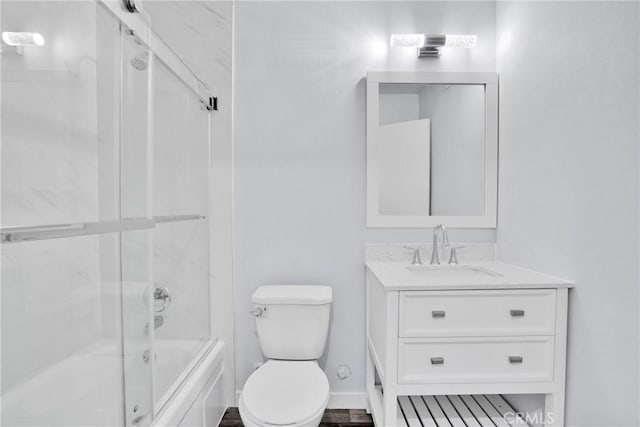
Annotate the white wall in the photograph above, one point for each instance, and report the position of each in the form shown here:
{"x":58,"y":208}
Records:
{"x":457,"y":114}
{"x":299,"y":149}
{"x":569,"y":111}
{"x":397,"y":107}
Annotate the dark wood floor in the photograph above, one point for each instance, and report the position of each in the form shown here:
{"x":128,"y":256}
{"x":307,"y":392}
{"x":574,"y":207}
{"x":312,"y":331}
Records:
{"x":331,"y":418}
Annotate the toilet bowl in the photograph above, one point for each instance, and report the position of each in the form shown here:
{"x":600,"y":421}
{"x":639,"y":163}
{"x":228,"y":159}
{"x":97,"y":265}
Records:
{"x":285,"y":393}
{"x":290,"y":389}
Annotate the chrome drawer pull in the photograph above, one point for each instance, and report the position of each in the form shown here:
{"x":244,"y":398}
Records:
{"x":515,"y":359}
{"x":437,"y":313}
{"x":517,"y":313}
{"x":437,"y":360}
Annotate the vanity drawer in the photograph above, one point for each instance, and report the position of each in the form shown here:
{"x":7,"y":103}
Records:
{"x":472,"y":360}
{"x":477,"y":313}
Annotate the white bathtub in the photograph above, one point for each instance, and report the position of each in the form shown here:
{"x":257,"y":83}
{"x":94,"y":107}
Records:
{"x":86,"y":389}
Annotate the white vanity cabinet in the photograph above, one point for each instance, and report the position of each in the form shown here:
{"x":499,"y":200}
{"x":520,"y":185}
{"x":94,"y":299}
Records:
{"x":505,"y":334}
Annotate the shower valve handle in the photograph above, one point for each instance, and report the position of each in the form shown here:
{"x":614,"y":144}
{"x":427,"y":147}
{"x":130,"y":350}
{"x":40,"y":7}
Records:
{"x":161,"y":299}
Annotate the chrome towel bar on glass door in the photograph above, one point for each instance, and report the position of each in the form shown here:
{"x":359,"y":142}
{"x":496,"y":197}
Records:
{"x":15,"y":234}
{"x":176,"y":218}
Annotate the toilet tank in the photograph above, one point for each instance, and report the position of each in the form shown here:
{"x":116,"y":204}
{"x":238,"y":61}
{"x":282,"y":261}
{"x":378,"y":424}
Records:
{"x":292,"y":320}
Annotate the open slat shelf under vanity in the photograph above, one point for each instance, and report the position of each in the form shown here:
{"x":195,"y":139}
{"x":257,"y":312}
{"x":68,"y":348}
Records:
{"x":478,"y":410}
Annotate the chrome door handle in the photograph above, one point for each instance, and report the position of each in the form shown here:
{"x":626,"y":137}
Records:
{"x":438,"y":313}
{"x":437,"y":360}
{"x":517,"y":313}
{"x":515,"y":359}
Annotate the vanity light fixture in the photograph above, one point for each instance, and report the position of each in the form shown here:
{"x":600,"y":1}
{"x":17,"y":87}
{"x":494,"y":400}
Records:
{"x":429,"y":46}
{"x":12,"y":38}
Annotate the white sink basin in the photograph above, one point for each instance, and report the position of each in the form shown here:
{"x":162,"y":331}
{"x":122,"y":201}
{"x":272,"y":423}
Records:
{"x":451,"y":271}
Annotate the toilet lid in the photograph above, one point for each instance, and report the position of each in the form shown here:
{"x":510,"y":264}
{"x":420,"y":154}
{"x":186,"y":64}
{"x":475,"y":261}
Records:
{"x":285,"y":392}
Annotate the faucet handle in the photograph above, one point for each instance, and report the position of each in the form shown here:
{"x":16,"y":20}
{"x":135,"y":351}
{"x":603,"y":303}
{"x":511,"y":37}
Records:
{"x":416,"y":258}
{"x":453,"y":258}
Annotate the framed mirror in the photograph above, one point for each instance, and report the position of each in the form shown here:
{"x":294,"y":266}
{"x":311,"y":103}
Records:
{"x":432,"y":149}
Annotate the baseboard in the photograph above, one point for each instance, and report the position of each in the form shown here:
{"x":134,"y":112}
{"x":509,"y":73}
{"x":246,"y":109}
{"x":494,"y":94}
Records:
{"x":347,"y":400}
{"x":344,"y":400}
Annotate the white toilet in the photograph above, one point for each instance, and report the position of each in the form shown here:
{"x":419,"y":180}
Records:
{"x":290,"y":389}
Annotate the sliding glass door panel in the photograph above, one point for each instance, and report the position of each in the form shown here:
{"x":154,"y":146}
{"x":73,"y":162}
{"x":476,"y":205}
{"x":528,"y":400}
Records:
{"x":181,"y":249}
{"x":104,"y":219}
{"x":61,"y":340}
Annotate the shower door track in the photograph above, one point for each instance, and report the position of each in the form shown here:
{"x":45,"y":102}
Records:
{"x":32,"y":233}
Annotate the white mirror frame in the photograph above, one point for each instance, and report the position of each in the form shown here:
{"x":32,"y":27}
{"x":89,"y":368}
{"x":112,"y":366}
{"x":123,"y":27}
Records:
{"x":490,"y":82}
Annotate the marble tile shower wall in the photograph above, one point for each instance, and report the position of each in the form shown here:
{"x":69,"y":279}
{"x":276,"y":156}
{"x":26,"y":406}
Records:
{"x":49,"y":168}
{"x":50,"y":304}
{"x":51,"y":289}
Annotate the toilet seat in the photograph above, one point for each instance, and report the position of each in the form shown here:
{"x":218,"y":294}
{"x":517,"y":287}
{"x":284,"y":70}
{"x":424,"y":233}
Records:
{"x":285,"y":393}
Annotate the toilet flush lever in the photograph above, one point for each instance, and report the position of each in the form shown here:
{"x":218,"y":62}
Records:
{"x":258,"y":311}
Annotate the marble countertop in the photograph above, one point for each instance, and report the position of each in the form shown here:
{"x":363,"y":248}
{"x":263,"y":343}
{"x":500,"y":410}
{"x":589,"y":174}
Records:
{"x":395,"y":276}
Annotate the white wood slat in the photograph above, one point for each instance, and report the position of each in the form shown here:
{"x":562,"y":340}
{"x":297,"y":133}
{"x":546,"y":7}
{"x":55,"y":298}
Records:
{"x":400,"y":421}
{"x":503,"y":407}
{"x":464,"y":412}
{"x":439,"y":416}
{"x":457,"y":411}
{"x":492,"y":412}
{"x":477,"y":411}
{"x":423,"y":413}
{"x":450,"y":411}
{"x":409,"y":413}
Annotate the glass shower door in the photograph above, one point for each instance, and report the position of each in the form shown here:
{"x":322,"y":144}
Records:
{"x":104,"y":215}
{"x":180,"y":248}
{"x":62,"y":356}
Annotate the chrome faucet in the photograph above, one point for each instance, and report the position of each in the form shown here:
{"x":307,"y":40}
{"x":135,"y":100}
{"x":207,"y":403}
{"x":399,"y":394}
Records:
{"x":435,"y":256}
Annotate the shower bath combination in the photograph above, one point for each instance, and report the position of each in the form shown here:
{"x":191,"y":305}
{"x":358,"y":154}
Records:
{"x":105,"y":248}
